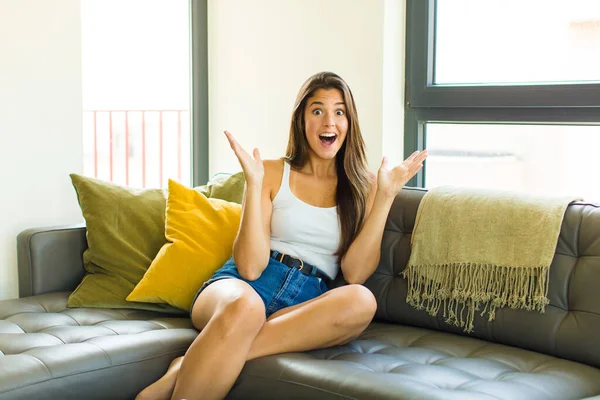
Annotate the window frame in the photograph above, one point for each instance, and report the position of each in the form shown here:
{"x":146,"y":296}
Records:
{"x":199,"y":95}
{"x":425,"y":102}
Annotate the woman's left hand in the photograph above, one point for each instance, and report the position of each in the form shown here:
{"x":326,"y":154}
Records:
{"x":391,"y":181}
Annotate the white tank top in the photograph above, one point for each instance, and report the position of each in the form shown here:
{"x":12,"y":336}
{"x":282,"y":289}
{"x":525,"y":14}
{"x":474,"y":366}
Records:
{"x":304,"y":231}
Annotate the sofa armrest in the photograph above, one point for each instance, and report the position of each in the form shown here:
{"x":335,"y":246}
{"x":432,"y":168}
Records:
{"x":50,"y":259}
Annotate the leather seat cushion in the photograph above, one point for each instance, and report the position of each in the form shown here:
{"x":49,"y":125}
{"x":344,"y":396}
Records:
{"x":43,"y":343}
{"x":50,"y":351}
{"x":401,"y":362}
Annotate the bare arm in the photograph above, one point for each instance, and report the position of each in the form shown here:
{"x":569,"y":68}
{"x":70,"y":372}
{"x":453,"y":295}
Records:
{"x":362,"y":257}
{"x":251,"y":246}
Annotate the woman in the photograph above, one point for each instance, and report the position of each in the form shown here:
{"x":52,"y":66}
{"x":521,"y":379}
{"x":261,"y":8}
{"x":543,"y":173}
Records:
{"x":304,"y":217}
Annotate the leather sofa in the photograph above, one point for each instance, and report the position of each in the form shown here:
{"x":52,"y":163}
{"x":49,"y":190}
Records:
{"x":48,"y":351}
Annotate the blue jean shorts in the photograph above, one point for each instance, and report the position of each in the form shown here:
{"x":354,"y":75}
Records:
{"x":279,"y":286}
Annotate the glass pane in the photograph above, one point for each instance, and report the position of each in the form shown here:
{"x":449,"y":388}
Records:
{"x":517,"y":41}
{"x":136,"y":91}
{"x":536,"y":159}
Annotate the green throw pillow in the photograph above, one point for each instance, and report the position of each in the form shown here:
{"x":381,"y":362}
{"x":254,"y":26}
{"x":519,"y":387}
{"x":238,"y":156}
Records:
{"x":125,"y":231}
{"x":225,"y":187}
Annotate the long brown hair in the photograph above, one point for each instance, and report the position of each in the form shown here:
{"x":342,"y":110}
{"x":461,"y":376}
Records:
{"x":351,"y":165}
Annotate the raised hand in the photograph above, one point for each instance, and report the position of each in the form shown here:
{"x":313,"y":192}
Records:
{"x":252,"y":166}
{"x":391,"y":181}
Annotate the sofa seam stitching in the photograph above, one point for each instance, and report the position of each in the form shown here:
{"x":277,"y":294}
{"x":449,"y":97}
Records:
{"x":302,"y":384}
{"x":573,"y":269}
{"x":30,"y":263}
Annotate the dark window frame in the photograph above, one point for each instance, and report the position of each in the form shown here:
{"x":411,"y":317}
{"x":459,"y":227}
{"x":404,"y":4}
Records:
{"x":199,"y":94}
{"x":573,"y":104}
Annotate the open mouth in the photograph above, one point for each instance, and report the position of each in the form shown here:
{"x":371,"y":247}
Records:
{"x":327,"y":138}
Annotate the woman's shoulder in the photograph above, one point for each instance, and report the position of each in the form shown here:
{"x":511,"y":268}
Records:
{"x":274,"y":162}
{"x":273,"y":166}
{"x":273,"y":172}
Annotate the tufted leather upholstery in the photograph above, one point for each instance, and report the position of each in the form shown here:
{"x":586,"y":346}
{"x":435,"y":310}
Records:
{"x":400,"y":362}
{"x":569,"y":328}
{"x":50,"y":352}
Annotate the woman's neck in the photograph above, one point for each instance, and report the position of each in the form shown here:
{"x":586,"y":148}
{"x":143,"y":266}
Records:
{"x":320,"y":168}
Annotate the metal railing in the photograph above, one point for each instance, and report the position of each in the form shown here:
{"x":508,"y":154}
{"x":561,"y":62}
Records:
{"x":137,"y":147}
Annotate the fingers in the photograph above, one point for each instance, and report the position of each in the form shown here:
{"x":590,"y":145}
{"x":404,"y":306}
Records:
{"x":235,"y":146}
{"x":232,"y":141}
{"x":239,"y":151}
{"x":421,"y":157}
{"x":415,"y":158}
{"x":412,"y":171}
{"x":412,"y":156}
{"x":384,"y":163}
{"x":418,"y":156}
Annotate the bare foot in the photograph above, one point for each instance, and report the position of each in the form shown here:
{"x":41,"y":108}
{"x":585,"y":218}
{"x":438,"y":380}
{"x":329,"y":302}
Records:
{"x":162,"y":389}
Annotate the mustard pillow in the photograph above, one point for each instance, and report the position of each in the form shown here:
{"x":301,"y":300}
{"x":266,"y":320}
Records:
{"x":200,"y":234}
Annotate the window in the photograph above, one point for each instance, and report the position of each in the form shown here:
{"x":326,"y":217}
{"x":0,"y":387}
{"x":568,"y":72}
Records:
{"x":138,"y":86}
{"x":505,"y":94}
{"x":516,"y":42}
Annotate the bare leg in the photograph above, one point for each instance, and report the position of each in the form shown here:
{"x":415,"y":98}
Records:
{"x":334,"y":318}
{"x":162,"y":388}
{"x":229,"y":315}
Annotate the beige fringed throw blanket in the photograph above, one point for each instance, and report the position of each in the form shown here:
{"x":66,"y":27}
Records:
{"x":476,"y":250}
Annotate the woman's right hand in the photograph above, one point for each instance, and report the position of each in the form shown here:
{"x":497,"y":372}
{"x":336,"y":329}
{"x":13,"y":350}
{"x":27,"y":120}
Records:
{"x":252,"y":167}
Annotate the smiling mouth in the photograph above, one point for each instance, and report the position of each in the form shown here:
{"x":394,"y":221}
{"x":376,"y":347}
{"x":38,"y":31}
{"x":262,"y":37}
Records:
{"x":327,"y":138}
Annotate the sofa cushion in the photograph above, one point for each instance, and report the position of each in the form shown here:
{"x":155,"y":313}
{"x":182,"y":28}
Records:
{"x":49,"y":351}
{"x":200,"y":234}
{"x":400,"y":362}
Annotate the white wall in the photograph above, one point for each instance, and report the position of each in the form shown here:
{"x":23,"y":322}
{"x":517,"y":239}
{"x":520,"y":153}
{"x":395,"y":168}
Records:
{"x":40,"y":121}
{"x":261,"y":51}
{"x":393,"y":81}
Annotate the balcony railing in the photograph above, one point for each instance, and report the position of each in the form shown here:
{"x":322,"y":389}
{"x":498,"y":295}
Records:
{"x":139,"y":148}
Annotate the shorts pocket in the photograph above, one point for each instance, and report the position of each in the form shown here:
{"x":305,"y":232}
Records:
{"x":321,"y":286}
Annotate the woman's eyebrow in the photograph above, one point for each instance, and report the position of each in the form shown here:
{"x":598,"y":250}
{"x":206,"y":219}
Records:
{"x":322,"y":104}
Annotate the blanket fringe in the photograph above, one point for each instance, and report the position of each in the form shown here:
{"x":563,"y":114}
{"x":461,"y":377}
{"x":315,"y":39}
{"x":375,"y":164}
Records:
{"x":461,"y":289}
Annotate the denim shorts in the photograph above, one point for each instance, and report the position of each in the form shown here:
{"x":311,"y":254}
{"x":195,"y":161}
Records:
{"x":279,"y":286}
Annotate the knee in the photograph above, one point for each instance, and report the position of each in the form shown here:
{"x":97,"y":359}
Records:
{"x":243,"y":313}
{"x":366,"y":302}
{"x":361,"y":305}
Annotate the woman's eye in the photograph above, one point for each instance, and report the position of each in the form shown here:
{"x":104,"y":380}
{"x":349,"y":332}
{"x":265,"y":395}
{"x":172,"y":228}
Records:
{"x":339,"y":112}
{"x":317,"y":111}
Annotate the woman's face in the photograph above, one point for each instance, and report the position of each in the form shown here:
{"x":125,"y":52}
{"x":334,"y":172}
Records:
{"x":326,"y":122}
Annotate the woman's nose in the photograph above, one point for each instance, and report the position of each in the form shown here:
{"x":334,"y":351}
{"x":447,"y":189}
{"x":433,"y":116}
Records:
{"x":329,"y":120}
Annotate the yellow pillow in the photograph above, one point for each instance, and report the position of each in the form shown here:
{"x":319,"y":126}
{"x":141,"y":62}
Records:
{"x":200,"y":234}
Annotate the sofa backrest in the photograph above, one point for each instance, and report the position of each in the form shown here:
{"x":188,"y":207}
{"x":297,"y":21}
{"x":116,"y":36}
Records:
{"x":570,"y":326}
